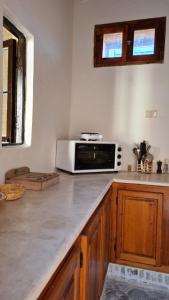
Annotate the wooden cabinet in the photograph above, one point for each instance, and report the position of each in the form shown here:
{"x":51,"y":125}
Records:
{"x":66,"y":283}
{"x":81,"y":275}
{"x":91,"y":271}
{"x":106,"y":233}
{"x":95,"y":241}
{"x":139,"y":227}
{"x":129,"y":227}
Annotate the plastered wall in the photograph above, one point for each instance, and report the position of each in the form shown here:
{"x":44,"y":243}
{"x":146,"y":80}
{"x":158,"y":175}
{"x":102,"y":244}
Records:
{"x":50,"y":23}
{"x":113,"y":100}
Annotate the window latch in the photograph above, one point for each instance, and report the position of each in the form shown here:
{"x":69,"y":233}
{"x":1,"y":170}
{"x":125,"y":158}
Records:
{"x":129,"y":43}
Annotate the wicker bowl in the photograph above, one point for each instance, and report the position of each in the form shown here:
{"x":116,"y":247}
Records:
{"x":12,"y":191}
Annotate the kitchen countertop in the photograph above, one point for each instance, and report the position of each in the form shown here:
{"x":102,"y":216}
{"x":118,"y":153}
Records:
{"x":37,"y":231}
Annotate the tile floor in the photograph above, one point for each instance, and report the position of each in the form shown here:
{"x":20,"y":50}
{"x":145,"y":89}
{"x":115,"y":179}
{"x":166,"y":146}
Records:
{"x":122,"y":289}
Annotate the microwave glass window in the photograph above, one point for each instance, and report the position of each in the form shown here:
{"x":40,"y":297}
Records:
{"x":94,"y":156}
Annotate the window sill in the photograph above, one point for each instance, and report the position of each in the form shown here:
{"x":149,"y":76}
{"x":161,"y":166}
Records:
{"x":16,"y":145}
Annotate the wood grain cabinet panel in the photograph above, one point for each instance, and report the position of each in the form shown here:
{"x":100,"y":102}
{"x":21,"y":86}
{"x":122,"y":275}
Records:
{"x":106,"y":233}
{"x":139,"y":227}
{"x":95,"y":245}
{"x":65,"y":285}
{"x":91,"y":271}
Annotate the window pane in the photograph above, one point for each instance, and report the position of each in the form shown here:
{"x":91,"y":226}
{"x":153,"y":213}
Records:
{"x":4,"y":115}
{"x":5,"y":69}
{"x":5,"y":94}
{"x":112,"y":45}
{"x":7,"y":35}
{"x":144,"y":42}
{"x":19,"y":109}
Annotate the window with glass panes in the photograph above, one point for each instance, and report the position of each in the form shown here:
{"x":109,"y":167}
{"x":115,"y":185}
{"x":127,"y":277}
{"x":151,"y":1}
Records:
{"x":131,"y":42}
{"x":14,"y":72}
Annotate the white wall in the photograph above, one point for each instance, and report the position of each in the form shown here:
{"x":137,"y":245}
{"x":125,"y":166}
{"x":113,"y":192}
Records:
{"x":113,"y":100}
{"x":50,"y":22}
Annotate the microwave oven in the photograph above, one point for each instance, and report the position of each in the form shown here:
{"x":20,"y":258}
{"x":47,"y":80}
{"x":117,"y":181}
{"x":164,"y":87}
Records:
{"x":88,"y":156}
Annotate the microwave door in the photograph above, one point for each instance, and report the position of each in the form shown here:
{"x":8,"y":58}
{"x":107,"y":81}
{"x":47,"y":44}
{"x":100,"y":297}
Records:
{"x":84,"y":157}
{"x":94,"y":156}
{"x":105,"y":157}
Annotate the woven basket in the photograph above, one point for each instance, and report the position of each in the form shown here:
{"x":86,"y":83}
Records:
{"x":12,"y":191}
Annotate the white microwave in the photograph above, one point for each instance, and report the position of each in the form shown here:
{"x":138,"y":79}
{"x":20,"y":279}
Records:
{"x":88,"y":156}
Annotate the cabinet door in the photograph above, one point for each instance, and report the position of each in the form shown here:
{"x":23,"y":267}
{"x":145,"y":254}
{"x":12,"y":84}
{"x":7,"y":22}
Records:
{"x":139,"y":225}
{"x":106,"y":222}
{"x":91,"y":271}
{"x":66,"y":284}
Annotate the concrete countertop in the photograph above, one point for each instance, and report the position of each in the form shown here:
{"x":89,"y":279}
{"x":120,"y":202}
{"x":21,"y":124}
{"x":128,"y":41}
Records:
{"x":37,"y":231}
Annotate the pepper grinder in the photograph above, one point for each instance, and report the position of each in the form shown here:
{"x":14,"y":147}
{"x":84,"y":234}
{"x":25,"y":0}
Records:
{"x":159,"y":167}
{"x":165,"y":166}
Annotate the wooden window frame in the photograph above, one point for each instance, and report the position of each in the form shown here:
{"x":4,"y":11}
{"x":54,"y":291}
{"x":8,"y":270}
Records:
{"x":11,"y":89}
{"x":128,"y":28}
{"x":16,"y":83}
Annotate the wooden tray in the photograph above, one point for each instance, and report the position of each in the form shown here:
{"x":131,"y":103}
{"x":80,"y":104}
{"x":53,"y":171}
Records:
{"x":31,"y":180}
